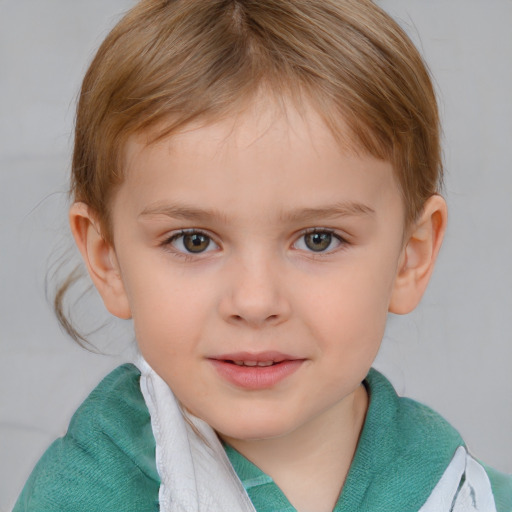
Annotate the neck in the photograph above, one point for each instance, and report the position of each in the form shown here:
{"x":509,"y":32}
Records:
{"x":310,"y":464}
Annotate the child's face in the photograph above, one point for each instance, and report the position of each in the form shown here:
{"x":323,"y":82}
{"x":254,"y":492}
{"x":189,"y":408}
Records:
{"x":258,"y":241}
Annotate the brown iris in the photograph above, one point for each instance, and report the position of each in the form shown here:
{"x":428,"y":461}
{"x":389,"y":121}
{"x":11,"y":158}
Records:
{"x":196,"y":242}
{"x":318,"y":241}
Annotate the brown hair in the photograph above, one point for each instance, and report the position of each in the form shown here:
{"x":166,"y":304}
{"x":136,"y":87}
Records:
{"x":170,"y":62}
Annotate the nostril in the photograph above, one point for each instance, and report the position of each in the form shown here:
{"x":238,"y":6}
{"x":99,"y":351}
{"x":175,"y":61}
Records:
{"x":242,"y":319}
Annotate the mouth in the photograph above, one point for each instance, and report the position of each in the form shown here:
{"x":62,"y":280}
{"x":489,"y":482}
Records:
{"x":253,"y":363}
{"x":260,"y":359}
{"x":256,"y":371}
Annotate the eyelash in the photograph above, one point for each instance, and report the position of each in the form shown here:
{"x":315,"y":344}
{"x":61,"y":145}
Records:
{"x":189,"y":255}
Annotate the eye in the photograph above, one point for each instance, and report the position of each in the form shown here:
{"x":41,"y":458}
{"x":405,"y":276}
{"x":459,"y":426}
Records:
{"x":319,"y":241}
{"x":192,"y":242}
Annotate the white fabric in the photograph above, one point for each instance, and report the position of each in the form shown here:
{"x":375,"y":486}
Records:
{"x":195,"y":472}
{"x":464,"y":487}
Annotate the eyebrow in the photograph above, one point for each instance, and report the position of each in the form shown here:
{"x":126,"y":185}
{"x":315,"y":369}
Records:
{"x":343,"y":209}
{"x":183,"y":212}
{"x":191,"y":213}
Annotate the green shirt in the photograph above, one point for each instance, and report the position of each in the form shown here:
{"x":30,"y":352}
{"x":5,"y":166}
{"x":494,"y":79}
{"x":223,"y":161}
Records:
{"x":106,"y":461}
{"x":402,"y":453}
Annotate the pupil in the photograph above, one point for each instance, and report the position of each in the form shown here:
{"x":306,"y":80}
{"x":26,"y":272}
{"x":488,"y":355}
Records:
{"x":196,"y":243}
{"x":318,"y":241}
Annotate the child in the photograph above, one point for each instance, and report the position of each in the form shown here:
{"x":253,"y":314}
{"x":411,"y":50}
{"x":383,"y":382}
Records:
{"x":255,"y":184}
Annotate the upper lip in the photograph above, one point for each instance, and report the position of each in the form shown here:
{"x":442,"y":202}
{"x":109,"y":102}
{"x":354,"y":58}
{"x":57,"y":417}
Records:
{"x":258,"y":357}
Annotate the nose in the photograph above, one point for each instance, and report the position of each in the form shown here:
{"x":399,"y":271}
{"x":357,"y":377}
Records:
{"x":255,"y":294}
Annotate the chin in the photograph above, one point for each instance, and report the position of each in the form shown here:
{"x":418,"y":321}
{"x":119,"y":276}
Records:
{"x":252,"y":429}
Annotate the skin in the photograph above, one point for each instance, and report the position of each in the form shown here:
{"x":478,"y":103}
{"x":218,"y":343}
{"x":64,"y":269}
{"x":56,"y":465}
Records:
{"x":255,"y":187}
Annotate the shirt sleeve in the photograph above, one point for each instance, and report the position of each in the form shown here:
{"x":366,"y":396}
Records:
{"x":105,"y":462}
{"x":501,"y":488}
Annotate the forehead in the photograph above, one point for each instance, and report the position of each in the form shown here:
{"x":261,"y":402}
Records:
{"x":277,"y":153}
{"x":260,"y":119}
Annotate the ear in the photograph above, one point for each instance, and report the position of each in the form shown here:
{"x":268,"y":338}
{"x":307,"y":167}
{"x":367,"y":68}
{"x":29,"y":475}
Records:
{"x":100,"y":259}
{"x":418,"y":256}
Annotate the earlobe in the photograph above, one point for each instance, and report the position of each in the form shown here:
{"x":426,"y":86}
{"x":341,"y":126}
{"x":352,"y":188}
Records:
{"x":419,"y":255}
{"x":100,"y":259}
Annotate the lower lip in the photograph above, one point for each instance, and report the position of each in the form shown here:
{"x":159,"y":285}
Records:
{"x":256,"y":377}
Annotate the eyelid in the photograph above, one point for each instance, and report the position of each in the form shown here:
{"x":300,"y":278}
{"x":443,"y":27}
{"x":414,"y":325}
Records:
{"x":330,"y":231}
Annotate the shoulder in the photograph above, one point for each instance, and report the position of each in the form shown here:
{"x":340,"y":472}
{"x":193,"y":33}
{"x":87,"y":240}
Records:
{"x":106,"y":460}
{"x":426,"y":455}
{"x":501,"y":488}
{"x":482,"y":483}
{"x":415,"y":429}
{"x":403,"y":451}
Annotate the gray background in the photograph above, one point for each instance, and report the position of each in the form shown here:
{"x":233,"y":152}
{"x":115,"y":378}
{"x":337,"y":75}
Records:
{"x":453,"y":353}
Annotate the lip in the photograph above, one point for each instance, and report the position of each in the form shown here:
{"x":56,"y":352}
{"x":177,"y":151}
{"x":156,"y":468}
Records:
{"x":256,"y":377}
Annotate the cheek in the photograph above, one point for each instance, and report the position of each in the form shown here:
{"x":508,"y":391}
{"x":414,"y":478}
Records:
{"x":169,"y":311}
{"x":352,"y":304}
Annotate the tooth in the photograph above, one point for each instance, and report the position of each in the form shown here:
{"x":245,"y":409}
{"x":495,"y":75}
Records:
{"x":265,"y":363}
{"x":250,"y":363}
{"x":239,"y":363}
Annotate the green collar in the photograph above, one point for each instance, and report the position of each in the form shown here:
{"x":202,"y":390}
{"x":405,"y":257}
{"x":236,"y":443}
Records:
{"x":402,"y":453}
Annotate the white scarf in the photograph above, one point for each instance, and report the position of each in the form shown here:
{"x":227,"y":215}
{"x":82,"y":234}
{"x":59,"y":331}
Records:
{"x":475,"y":493}
{"x":196,"y":476}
